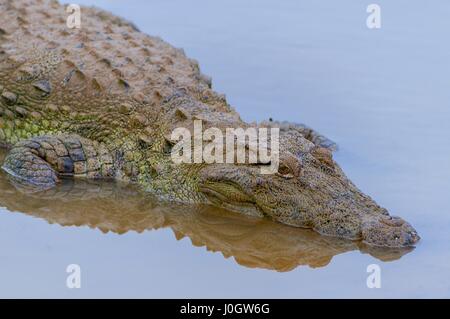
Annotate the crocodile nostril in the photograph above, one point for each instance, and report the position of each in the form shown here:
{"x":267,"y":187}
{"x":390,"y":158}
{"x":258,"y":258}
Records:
{"x":393,"y":221}
{"x":414,"y":237}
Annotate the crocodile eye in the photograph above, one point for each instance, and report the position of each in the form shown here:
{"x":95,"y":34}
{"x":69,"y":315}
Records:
{"x":285,"y":172}
{"x":289,"y":167}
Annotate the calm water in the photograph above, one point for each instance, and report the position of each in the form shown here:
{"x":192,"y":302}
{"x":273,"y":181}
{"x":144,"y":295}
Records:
{"x":383,"y":95}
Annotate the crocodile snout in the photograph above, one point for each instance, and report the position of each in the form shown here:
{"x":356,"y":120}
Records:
{"x":389,"y":231}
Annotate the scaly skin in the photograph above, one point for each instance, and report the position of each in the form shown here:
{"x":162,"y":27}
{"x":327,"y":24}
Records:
{"x":101,"y":102}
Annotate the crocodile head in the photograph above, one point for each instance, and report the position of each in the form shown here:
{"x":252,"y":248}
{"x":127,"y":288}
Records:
{"x":308,"y":190}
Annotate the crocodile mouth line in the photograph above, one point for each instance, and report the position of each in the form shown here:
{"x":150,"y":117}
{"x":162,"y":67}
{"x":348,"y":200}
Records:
{"x":213,"y":192}
{"x":244,"y":204}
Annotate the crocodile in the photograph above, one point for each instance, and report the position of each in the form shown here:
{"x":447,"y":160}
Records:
{"x":100,"y":102}
{"x":119,"y":208}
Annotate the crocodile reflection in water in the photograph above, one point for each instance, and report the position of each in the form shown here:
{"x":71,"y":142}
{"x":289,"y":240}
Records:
{"x":253,"y":242}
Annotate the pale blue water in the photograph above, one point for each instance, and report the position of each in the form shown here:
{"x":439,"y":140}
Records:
{"x":382,"y":95}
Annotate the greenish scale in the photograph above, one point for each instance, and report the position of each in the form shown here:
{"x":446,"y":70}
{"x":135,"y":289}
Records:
{"x":13,"y":131}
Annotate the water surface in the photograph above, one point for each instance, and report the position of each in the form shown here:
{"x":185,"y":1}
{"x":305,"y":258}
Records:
{"x":382,"y":95}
